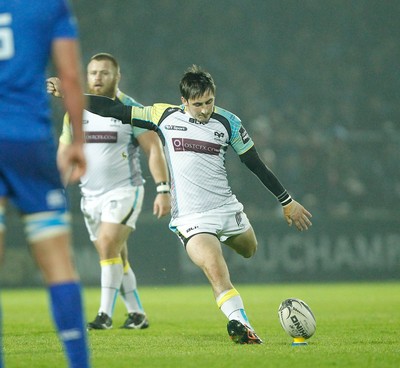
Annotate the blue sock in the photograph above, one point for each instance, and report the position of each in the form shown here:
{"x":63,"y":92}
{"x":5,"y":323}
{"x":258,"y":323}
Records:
{"x":67,"y":309}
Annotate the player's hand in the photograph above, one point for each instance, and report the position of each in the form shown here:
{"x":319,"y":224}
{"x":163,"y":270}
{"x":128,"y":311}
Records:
{"x":295,"y":213}
{"x":162,"y":205}
{"x":53,"y":86}
{"x":72,"y":163}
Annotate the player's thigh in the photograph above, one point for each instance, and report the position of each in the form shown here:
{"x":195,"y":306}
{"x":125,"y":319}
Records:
{"x":54,"y":258}
{"x":112,"y":234}
{"x":245,"y":243}
{"x":205,"y":250}
{"x":111,"y":240}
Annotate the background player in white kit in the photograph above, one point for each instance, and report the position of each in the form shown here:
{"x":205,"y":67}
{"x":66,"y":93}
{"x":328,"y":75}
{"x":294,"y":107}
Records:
{"x":205,"y":212}
{"x":112,"y":190}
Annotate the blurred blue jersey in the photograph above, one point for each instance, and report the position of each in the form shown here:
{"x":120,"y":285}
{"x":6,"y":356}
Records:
{"x":27,"y":30}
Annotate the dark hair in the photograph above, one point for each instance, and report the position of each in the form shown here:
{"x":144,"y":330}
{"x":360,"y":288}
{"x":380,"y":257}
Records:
{"x":105,"y":56}
{"x":196,"y":82}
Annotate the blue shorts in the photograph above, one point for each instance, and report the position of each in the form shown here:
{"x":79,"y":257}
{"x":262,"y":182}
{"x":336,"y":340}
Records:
{"x":29,"y":176}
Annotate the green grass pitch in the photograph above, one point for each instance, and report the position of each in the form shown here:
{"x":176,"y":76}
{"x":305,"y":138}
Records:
{"x":357,"y":326}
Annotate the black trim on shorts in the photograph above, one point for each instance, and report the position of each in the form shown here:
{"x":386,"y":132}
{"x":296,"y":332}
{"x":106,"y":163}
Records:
{"x":125,"y":220}
{"x":185,"y":240}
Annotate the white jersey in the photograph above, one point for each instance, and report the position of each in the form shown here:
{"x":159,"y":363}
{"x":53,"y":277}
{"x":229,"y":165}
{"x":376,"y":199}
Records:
{"x":196,"y":155}
{"x":112,"y":154}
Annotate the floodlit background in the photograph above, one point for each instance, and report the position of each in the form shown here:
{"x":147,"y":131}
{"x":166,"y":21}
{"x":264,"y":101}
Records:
{"x":316,"y":84}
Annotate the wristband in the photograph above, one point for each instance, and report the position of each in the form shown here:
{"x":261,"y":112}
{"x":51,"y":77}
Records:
{"x":285,"y":198}
{"x":163,"y":187}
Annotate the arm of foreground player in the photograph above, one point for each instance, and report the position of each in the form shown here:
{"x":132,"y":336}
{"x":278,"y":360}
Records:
{"x":66,"y":58}
{"x":105,"y":106}
{"x":293,"y":211}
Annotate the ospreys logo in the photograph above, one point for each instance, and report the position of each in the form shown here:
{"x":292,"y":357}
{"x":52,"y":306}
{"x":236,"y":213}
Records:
{"x":219,"y":136}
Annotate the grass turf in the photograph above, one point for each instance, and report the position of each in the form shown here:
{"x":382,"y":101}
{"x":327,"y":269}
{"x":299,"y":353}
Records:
{"x":356,"y":327}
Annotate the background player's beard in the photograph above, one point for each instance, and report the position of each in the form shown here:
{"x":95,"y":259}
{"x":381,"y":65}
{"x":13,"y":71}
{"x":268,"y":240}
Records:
{"x":105,"y":90}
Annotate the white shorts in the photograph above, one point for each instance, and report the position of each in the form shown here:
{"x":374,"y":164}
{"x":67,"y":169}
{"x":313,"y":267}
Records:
{"x":224,"y":222}
{"x":118,"y":206}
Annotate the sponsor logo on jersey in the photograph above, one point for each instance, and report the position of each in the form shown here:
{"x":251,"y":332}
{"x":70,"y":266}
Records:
{"x":185,"y":144}
{"x":101,"y":137}
{"x":194,"y":121}
{"x":175,"y":127}
{"x":243,"y":134}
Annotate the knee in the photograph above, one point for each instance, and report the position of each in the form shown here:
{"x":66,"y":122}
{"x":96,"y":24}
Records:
{"x":250,"y":250}
{"x":106,"y":247}
{"x":103,"y":242}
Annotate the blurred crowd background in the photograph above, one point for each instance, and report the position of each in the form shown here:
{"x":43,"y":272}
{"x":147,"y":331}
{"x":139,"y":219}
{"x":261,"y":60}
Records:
{"x":316,"y":84}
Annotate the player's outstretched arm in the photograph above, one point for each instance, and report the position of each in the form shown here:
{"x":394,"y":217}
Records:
{"x":294,"y":212}
{"x":105,"y":106}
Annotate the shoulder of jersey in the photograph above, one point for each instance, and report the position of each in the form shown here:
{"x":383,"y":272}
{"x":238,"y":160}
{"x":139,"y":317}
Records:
{"x":164,"y":109}
{"x":167,"y":107}
{"x":226,"y":114}
{"x":127,"y":100}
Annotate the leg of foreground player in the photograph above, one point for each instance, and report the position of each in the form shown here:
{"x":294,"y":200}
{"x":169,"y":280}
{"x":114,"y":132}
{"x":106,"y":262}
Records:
{"x":54,"y":258}
{"x":205,"y":251}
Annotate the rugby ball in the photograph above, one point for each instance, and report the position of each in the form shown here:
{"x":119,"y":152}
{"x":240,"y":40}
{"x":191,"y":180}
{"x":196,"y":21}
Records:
{"x":296,"y":318}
